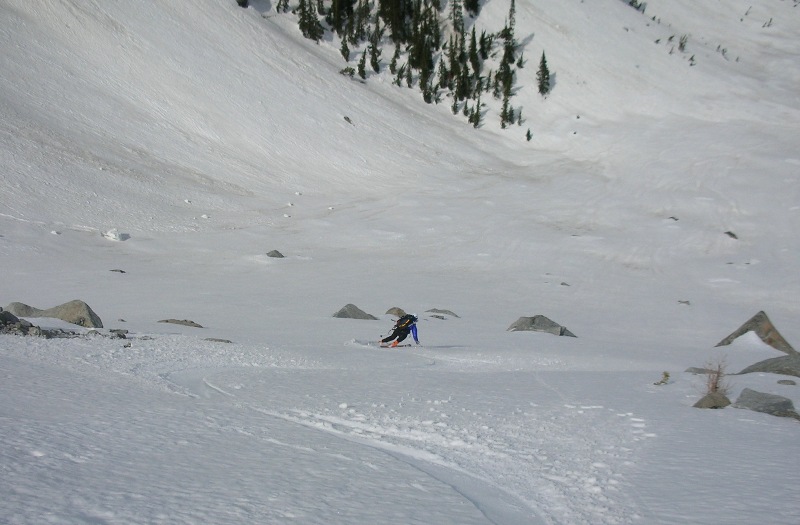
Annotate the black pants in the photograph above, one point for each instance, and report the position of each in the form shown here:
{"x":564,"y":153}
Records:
{"x":399,"y":333}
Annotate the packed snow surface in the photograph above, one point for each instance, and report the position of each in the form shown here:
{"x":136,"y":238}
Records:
{"x":153,"y":152}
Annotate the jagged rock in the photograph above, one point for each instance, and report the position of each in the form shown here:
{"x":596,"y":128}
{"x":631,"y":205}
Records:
{"x":767,"y":403}
{"x":539,"y":323}
{"x":275,"y":254}
{"x":75,"y":312}
{"x":351,"y":311}
{"x":11,"y":324}
{"x":713,"y":400}
{"x":763,"y":328}
{"x":184,"y":322}
{"x":786,"y":365}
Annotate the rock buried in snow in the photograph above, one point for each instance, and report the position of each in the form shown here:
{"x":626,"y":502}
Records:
{"x":767,"y":403}
{"x":75,"y":312}
{"x":763,"y":328}
{"x":539,"y":323}
{"x":114,"y":235}
{"x":184,"y":322}
{"x":443,"y":312}
{"x":351,"y":311}
{"x":275,"y":254}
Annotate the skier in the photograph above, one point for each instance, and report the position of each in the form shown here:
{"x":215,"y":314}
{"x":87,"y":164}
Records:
{"x":404,"y":325}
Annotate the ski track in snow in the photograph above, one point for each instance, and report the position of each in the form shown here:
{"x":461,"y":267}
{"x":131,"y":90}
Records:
{"x":515,"y":461}
{"x":488,"y":457}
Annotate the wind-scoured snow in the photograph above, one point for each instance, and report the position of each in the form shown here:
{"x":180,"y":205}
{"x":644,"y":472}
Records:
{"x":654,"y":210}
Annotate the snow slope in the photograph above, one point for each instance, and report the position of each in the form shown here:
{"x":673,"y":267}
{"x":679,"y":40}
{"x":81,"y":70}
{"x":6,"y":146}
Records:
{"x":207,"y":135}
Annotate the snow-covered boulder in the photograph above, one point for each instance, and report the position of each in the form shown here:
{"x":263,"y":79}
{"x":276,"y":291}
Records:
{"x":539,"y":323}
{"x":763,"y":328}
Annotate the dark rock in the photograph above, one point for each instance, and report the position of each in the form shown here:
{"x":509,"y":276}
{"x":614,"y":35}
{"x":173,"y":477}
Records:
{"x":713,"y":400}
{"x":786,"y":382}
{"x":351,"y":311}
{"x":275,"y":254}
{"x":767,"y":403}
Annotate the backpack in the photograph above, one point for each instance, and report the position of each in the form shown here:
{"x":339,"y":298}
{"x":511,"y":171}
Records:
{"x":406,"y":321}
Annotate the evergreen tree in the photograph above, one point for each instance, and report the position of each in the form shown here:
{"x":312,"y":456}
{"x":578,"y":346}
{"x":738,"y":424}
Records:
{"x":463,"y":85}
{"x":308,"y":21}
{"x":543,"y":76}
{"x":401,"y":74}
{"x":444,"y":76}
{"x":529,"y":135}
{"x":395,"y":58}
{"x":344,"y":50}
{"x":504,"y":113}
{"x":338,"y":15}
{"x":472,"y":7}
{"x":457,"y":16}
{"x":427,"y":89}
{"x":477,"y":117}
{"x":484,"y":46}
{"x":362,"y":65}
{"x":453,"y":62}
{"x":374,"y":57}
{"x":474,"y":60}
{"x":375,"y":48}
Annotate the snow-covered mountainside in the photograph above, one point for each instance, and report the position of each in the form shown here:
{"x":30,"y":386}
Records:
{"x":653,"y":211}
